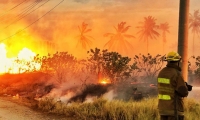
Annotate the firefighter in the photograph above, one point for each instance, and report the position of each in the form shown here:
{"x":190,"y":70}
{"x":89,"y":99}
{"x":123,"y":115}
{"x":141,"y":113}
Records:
{"x":172,"y":89}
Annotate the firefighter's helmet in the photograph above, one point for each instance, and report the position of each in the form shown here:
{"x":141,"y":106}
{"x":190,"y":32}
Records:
{"x":173,"y":56}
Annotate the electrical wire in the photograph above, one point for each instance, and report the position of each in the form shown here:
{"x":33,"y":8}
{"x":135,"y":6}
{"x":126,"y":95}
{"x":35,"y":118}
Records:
{"x":33,"y":22}
{"x":24,"y":15}
{"x":13,"y":8}
{"x":26,"y":9}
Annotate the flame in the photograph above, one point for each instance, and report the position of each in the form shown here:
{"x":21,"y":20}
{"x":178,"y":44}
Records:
{"x":21,"y":63}
{"x":26,"y":54}
{"x":104,"y":81}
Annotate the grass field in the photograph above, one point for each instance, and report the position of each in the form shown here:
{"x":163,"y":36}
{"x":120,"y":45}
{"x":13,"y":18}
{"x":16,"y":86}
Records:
{"x":101,"y":109}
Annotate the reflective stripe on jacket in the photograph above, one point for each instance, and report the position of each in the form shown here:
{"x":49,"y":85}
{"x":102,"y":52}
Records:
{"x":170,"y":80}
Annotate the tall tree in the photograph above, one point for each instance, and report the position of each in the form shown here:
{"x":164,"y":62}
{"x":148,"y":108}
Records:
{"x":83,"y":39}
{"x":118,"y":40}
{"x":165,"y":29}
{"x":194,"y":25}
{"x":148,"y":30}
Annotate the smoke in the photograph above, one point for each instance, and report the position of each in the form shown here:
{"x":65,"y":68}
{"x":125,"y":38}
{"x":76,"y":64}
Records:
{"x":4,"y":1}
{"x":110,"y":95}
{"x":73,"y":93}
{"x":82,"y":1}
{"x":60,"y":26}
{"x":18,"y":1}
{"x":195,"y":93}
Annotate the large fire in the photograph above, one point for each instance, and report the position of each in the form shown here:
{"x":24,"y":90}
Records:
{"x":23,"y":62}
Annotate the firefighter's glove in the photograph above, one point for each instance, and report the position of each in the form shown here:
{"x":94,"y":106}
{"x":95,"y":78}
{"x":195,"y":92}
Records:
{"x":189,"y":86}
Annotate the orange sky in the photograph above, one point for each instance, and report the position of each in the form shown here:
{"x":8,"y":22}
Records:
{"x":61,"y":25}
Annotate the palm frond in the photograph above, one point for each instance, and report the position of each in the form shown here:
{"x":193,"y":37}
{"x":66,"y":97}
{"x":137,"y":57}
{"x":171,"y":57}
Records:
{"x":110,"y":43}
{"x":128,"y":36}
{"x":117,"y":40}
{"x":88,"y":30}
{"x":125,"y":29}
{"x":108,"y":34}
{"x":79,"y":29}
{"x":83,"y":39}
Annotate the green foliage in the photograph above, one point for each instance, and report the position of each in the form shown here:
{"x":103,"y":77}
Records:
{"x":197,"y":63}
{"x":194,"y":69}
{"x":116,"y":66}
{"x":60,"y":64}
{"x":111,"y":64}
{"x":149,"y":65}
{"x":57,"y":61}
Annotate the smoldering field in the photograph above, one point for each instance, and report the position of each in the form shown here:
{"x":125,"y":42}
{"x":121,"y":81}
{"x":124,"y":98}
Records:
{"x":76,"y":98}
{"x":55,"y":99}
{"x":76,"y":89}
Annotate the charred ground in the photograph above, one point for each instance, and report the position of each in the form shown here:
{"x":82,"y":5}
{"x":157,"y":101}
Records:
{"x":37,"y":85}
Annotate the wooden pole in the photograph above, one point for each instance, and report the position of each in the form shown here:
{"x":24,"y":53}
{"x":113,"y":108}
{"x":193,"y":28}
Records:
{"x":183,"y":36}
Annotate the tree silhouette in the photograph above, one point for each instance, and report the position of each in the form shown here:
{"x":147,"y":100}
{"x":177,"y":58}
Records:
{"x":165,"y":29}
{"x":118,"y":40}
{"x":83,"y":39}
{"x":194,"y":25}
{"x":111,"y":65}
{"x":148,"y":30}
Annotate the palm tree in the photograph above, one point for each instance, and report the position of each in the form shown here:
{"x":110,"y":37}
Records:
{"x":194,"y":24}
{"x":147,"y":30}
{"x":83,"y":39}
{"x":165,"y":29}
{"x":118,"y":40}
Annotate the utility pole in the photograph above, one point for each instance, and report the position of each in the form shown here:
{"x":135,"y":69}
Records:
{"x":183,"y":36}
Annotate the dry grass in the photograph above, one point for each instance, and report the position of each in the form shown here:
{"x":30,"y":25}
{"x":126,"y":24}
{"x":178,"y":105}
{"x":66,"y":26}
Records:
{"x":192,"y":109}
{"x":101,"y":109}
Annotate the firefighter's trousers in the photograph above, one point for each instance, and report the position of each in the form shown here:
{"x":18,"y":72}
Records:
{"x":163,"y":117}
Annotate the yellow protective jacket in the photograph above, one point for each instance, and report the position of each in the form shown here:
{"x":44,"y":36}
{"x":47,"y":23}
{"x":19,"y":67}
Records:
{"x":171,"y":83}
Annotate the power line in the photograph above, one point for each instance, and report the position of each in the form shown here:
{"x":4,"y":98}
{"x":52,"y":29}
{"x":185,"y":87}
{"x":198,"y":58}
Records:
{"x":13,"y":8}
{"x":24,"y":15}
{"x":26,"y":9}
{"x":33,"y":22}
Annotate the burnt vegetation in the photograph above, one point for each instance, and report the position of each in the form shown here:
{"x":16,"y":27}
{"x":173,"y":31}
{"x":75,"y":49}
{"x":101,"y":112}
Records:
{"x":129,"y":78}
{"x":96,"y":90}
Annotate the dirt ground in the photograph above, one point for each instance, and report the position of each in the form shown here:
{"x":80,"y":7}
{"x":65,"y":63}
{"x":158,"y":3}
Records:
{"x":11,"y":109}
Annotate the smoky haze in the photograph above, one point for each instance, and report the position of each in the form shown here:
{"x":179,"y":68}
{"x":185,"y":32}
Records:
{"x":60,"y":26}
{"x":58,"y":29}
